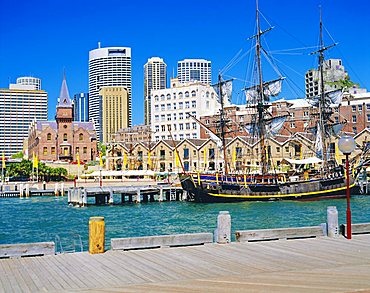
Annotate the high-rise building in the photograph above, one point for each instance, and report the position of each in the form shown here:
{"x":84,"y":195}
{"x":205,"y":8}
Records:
{"x":171,"y":108}
{"x":154,"y":79}
{"x":194,"y":70}
{"x":19,"y":106}
{"x":81,"y":107}
{"x":333,"y":72}
{"x":29,"y":80}
{"x":109,"y":66}
{"x":114,"y":111}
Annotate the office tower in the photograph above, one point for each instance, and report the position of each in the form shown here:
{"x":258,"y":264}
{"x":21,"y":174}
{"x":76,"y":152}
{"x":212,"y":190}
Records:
{"x":19,"y":106}
{"x":109,"y":66}
{"x":154,"y":79}
{"x":114,"y":111}
{"x":333,"y":72}
{"x":171,"y":108}
{"x":81,"y":107}
{"x":29,"y":80}
{"x":194,"y":70}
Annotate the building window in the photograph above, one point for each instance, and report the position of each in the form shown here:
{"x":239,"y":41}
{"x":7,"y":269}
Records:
{"x":367,"y":106}
{"x":353,"y":108}
{"x":194,"y":125}
{"x":168,"y":106}
{"x":305,"y":114}
{"x":156,"y":118}
{"x":162,"y":107}
{"x":287,"y":149}
{"x":80,"y":137}
{"x":163,"y":127}
{"x":174,"y":106}
{"x":65,"y":137}
{"x":180,"y":95}
{"x":53,"y":150}
{"x":186,"y":94}
{"x":354,"y":118}
{"x":292,"y":125}
{"x":368,"y":117}
{"x":278,"y":149}
{"x":181,"y":127}
{"x":156,"y":108}
{"x":77,"y":150}
{"x":181,"y":116}
{"x":156,"y":128}
{"x":193,"y":104}
{"x":168,"y":97}
{"x":163,"y":117}
{"x":156,"y":98}
{"x":162,"y":97}
{"x":354,"y":129}
{"x":336,"y":119}
{"x":49,"y":136}
{"x":186,"y":154}
{"x":187,"y":105}
{"x":187,"y":125}
{"x":181,"y":136}
{"x":359,"y":108}
{"x":193,"y":94}
{"x":45,"y":152}
{"x":168,"y":117}
{"x":181,"y":105}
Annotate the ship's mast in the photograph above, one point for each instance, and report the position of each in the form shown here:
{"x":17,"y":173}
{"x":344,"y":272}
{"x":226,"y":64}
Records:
{"x":322,"y":93}
{"x":260,"y":99}
{"x":222,"y":122}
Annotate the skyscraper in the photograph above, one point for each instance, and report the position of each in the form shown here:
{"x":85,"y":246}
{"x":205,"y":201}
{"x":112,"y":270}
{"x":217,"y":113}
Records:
{"x":114,"y":114}
{"x":19,"y":106}
{"x":81,"y":107}
{"x":108,"y":67}
{"x":154,"y":79}
{"x":194,"y":70}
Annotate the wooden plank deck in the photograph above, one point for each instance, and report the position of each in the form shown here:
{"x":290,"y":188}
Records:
{"x":305,"y":265}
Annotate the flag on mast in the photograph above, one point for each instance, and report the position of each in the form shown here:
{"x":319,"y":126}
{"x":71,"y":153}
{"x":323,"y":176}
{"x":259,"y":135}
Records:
{"x":78,"y":159}
{"x":3,"y":163}
{"x":101,"y":159}
{"x":35,"y":160}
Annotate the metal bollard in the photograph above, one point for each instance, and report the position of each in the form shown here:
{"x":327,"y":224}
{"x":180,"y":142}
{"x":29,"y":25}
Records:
{"x":332,"y":219}
{"x":223,"y":227}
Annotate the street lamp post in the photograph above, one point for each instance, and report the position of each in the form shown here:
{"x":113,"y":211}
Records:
{"x":346,"y":145}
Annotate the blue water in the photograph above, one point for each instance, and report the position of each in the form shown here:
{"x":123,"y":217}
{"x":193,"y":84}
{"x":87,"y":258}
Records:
{"x":42,"y":218}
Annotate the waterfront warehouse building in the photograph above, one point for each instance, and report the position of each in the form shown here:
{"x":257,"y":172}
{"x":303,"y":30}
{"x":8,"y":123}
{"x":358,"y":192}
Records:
{"x":194,"y":70}
{"x":109,"y":66}
{"x":19,"y":106}
{"x":115,"y":111}
{"x":154,"y":79}
{"x":81,"y":107}
{"x":171,"y":108}
{"x":62,"y":139}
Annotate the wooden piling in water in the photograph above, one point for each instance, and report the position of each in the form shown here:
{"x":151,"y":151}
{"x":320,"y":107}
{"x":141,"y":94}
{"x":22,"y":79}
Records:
{"x":96,"y":235}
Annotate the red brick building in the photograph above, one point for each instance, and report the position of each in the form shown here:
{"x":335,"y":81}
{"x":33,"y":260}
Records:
{"x":62,"y":139}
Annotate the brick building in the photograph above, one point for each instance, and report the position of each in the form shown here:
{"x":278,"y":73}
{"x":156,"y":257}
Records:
{"x":62,"y":139}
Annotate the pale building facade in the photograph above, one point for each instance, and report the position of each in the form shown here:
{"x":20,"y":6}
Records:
{"x":190,"y":70}
{"x":171,"y":109}
{"x":155,"y":78}
{"x":19,"y":106}
{"x":114,"y":111}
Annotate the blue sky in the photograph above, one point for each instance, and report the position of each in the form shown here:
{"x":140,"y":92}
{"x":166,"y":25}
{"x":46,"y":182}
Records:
{"x":41,"y":38}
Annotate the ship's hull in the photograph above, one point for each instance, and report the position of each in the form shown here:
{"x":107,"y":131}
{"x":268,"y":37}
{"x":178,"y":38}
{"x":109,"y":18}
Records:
{"x":303,"y":190}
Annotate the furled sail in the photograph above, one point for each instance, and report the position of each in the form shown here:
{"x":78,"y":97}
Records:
{"x":226,"y":89}
{"x":270,"y":89}
{"x":333,"y":98}
{"x":276,"y":124}
{"x":318,"y":142}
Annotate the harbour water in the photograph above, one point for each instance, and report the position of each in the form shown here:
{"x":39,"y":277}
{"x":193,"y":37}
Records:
{"x":47,"y":218}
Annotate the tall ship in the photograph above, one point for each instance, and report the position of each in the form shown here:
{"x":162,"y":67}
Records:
{"x":267,"y":184}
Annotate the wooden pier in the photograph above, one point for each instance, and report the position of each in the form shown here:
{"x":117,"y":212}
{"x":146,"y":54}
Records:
{"x":127,"y":194}
{"x":307,"y":265}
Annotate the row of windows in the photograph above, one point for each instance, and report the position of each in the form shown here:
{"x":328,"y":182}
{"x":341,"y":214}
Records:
{"x":174,"y":106}
{"x":46,"y":150}
{"x":174,"y":127}
{"x":359,"y":108}
{"x":65,"y":137}
{"x":180,"y":95}
{"x":175,"y":136}
{"x":174,"y":115}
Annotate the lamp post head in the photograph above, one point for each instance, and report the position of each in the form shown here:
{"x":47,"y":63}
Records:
{"x":346,"y":144}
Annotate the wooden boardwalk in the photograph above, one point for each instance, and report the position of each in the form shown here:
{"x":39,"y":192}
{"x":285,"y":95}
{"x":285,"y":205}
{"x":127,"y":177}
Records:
{"x":307,"y":265}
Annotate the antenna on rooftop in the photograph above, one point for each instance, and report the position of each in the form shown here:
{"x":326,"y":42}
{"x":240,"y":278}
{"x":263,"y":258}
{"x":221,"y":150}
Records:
{"x":98,"y":45}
